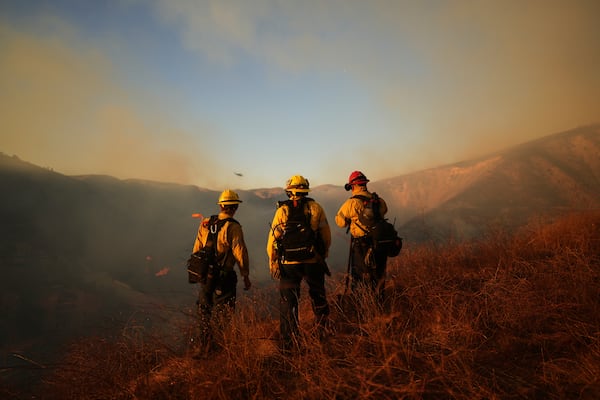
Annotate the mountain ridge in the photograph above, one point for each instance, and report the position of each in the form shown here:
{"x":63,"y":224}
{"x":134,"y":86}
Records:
{"x":560,"y":171}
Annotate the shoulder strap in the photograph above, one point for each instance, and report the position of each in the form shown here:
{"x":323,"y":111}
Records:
{"x":303,"y":204}
{"x":374,"y":196}
{"x":214,"y":226}
{"x":307,"y":213}
{"x":374,"y":200}
{"x":290,"y":203}
{"x":222,"y":222}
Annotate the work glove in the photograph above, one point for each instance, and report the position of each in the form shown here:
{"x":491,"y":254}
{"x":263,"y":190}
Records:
{"x":274,"y":269}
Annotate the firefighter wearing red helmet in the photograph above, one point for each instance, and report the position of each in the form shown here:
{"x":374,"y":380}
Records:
{"x":367,"y":266}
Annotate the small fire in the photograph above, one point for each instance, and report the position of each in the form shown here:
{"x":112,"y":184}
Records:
{"x":196,"y":215}
{"x":163,"y":271}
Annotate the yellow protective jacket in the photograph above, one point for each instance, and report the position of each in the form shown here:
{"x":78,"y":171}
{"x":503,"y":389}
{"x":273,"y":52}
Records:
{"x":318,"y":223}
{"x":230,"y":242}
{"x":351,"y":209}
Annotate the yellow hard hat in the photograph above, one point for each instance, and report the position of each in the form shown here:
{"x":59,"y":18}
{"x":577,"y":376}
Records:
{"x":228,"y":197}
{"x":297,"y":184}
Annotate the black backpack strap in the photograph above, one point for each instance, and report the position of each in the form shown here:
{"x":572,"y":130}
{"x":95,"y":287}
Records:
{"x":365,"y":199}
{"x":302,"y":202}
{"x":306,"y":209}
{"x":374,"y":196}
{"x":290,"y":204}
{"x":221,"y":222}
{"x":214,"y":226}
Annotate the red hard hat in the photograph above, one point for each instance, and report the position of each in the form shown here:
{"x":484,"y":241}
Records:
{"x":357,"y":178}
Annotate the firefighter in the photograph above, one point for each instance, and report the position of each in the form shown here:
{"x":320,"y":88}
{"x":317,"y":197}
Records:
{"x":219,"y":288}
{"x":297,"y":247}
{"x":367,"y":266}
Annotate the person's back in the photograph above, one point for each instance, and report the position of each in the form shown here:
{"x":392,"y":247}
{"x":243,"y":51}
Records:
{"x":299,"y":257}
{"x":351,"y":213}
{"x":218,"y":285}
{"x":368,"y":267}
{"x":299,"y":226}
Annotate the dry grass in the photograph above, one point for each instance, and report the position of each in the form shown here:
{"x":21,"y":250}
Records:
{"x":507,"y":317}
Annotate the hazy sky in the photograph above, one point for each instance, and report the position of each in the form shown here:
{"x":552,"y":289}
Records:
{"x":193,"y":91}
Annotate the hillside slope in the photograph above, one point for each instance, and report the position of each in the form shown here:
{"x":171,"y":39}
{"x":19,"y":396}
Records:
{"x":557,"y":172}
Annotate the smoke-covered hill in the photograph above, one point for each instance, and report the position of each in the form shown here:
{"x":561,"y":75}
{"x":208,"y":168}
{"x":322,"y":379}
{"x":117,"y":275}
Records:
{"x":553,"y":174}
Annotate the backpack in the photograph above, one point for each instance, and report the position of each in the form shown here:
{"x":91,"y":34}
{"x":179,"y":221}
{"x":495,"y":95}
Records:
{"x":382,"y":232}
{"x":298,"y":240}
{"x":201,"y":264}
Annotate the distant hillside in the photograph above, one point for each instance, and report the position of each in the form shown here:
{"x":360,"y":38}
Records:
{"x":556,"y":173}
{"x":75,"y":253}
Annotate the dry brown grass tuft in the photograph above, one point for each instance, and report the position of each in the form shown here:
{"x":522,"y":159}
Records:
{"x":507,"y":317}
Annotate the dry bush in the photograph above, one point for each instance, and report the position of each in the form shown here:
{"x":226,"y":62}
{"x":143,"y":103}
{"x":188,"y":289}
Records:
{"x":506,"y":317}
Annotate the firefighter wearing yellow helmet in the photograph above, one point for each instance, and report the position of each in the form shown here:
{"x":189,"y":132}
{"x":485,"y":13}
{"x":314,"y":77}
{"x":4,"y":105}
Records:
{"x":297,"y":247}
{"x":220,"y":240}
{"x":228,"y":198}
{"x":297,"y":184}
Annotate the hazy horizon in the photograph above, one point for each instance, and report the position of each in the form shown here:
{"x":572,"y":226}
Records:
{"x":193,"y":92}
{"x":276,"y":187}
